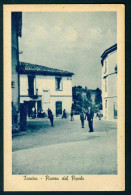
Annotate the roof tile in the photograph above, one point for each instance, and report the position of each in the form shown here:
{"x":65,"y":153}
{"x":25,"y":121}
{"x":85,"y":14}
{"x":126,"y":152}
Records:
{"x":27,"y":68}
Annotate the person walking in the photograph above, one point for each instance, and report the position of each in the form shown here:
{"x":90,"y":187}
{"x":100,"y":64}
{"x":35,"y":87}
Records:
{"x":33,"y":113}
{"x":64,"y":114}
{"x":90,"y":115}
{"x":51,"y":117}
{"x":82,"y":118}
{"x":72,"y":114}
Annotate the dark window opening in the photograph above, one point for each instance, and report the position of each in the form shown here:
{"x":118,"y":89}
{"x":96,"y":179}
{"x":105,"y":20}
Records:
{"x":39,"y":106}
{"x":115,"y":111}
{"x":58,"y":83}
{"x":105,"y":103}
{"x":31,"y":85}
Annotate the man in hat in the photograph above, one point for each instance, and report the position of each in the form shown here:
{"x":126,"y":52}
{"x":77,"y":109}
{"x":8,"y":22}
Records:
{"x":82,"y":118}
{"x":51,"y":117}
{"x":90,"y":115}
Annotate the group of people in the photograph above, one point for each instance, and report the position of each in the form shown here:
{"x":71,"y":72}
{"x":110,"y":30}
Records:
{"x":89,"y":114}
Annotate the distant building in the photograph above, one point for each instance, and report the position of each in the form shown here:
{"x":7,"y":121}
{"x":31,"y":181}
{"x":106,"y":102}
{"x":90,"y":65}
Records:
{"x":16,"y":27}
{"x":43,"y":87}
{"x":109,"y":82}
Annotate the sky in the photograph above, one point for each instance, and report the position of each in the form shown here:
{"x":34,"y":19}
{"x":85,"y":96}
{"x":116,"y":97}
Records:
{"x":72,"y":41}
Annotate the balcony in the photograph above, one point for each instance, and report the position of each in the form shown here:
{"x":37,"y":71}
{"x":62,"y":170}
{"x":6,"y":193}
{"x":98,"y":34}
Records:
{"x":33,"y":93}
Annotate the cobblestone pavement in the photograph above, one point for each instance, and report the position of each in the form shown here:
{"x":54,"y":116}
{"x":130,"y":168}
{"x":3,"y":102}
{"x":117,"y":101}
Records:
{"x":65,"y":148}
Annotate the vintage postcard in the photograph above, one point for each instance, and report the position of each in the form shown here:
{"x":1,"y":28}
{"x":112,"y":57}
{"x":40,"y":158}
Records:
{"x":64,"y":97}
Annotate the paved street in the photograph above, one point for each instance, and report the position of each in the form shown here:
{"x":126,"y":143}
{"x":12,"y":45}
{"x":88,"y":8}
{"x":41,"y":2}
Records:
{"x":65,"y":148}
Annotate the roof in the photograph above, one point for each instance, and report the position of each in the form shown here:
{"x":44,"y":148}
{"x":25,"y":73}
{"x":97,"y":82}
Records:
{"x":107,"y":51}
{"x":27,"y":68}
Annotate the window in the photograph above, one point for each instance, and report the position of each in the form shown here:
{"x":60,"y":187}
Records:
{"x":115,"y":110}
{"x":31,"y":85}
{"x":46,"y":96}
{"x":58,"y":83}
{"x":105,"y":85}
{"x":39,"y":106}
{"x":105,"y":67}
{"x":105,"y":103}
{"x":13,"y":84}
{"x":116,"y":69}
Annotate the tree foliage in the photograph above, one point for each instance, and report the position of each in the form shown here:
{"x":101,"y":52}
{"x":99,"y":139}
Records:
{"x":82,"y":99}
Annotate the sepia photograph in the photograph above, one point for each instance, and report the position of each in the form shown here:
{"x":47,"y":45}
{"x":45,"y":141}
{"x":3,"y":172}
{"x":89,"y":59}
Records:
{"x":64,"y":93}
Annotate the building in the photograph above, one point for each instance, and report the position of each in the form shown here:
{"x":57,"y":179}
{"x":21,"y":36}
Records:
{"x":109,"y":83}
{"x":16,"y":27}
{"x":43,"y":87}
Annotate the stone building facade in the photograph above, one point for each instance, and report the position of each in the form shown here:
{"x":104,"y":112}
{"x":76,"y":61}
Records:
{"x":109,"y":83}
{"x":16,"y":27}
{"x":43,"y":87}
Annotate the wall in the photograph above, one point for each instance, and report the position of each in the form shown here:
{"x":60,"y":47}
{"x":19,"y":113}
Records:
{"x":48,"y":83}
{"x":23,"y":85}
{"x":66,"y":104}
{"x":111,"y":94}
{"x":111,"y":102}
{"x":112,"y":85}
{"x":105,"y":93}
{"x":15,"y":77}
{"x":112,"y":61}
{"x":45,"y":82}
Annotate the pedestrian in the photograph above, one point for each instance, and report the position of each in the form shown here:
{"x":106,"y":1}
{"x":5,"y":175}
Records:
{"x":90,"y":115}
{"x":72,"y":114}
{"x":51,"y":117}
{"x":64,"y":114}
{"x":33,"y":113}
{"x":48,"y":111}
{"x":82,"y":118}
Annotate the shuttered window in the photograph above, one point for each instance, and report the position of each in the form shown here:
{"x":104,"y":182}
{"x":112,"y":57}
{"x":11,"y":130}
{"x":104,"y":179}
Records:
{"x":58,"y":83}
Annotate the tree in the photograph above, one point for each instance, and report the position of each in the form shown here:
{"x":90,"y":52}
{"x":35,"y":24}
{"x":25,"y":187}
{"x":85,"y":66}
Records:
{"x":98,"y":98}
{"x":80,"y":102}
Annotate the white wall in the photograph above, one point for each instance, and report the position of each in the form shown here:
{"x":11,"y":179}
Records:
{"x":66,"y":104}
{"x":112,"y":61}
{"x":112,"y":85}
{"x":111,"y":102}
{"x":111,"y":94}
{"x":46,"y":82}
{"x":23,"y":84}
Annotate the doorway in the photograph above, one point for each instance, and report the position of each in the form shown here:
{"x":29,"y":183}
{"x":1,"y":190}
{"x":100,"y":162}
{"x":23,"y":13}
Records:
{"x":58,"y":108}
{"x":29,"y":105}
{"x":39,"y":106}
